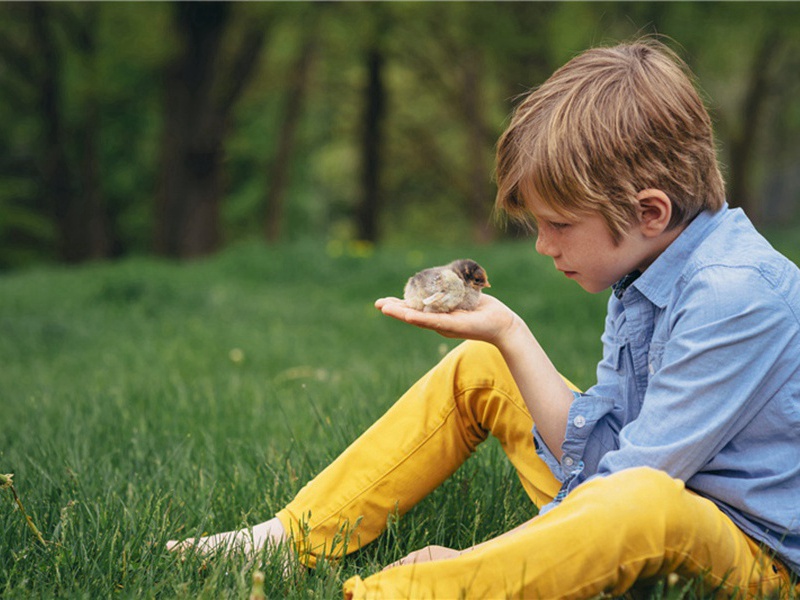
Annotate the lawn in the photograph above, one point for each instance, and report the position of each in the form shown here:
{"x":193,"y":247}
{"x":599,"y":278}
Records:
{"x":146,"y":400}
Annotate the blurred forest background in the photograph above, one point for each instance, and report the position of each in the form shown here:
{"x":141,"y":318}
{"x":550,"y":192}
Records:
{"x":178,"y":128}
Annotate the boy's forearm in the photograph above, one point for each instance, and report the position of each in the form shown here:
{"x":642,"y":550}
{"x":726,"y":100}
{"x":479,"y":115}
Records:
{"x":545,"y":393}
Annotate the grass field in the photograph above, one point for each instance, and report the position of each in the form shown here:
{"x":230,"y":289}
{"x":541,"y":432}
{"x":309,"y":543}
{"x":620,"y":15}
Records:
{"x":145,"y":400}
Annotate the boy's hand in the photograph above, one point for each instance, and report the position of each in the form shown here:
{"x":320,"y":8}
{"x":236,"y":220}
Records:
{"x":427,"y":554}
{"x":488,"y":322}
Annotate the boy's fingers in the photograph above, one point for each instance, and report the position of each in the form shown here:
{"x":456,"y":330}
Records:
{"x":446,"y":324}
{"x":400,"y":311}
{"x":393,"y":307}
{"x":381,"y":302}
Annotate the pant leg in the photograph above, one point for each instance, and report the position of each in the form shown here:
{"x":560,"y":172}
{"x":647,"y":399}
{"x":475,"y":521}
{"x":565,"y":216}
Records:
{"x":412,"y":449}
{"x":606,"y":535}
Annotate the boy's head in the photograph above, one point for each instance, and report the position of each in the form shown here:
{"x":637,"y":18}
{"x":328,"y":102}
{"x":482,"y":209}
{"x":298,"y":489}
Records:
{"x":608,"y":124}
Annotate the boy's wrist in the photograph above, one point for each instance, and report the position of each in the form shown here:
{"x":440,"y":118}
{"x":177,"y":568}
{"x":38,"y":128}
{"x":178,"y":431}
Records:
{"x":514,"y":333}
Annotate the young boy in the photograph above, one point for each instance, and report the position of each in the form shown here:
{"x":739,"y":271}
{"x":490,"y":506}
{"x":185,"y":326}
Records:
{"x":684,"y":457}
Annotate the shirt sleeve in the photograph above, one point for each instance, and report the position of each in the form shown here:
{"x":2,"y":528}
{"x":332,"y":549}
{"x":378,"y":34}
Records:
{"x":594,"y":419}
{"x":583,"y":442}
{"x":719,"y":363}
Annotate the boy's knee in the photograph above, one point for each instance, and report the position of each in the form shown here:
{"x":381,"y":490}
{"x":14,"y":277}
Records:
{"x":475,"y":354}
{"x":479,"y":365}
{"x":483,"y":389}
{"x":482,"y":357}
{"x":475,"y":363}
{"x":639,"y":496}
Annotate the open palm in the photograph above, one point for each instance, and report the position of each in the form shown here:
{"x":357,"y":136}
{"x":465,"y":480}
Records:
{"x":486,"y":323}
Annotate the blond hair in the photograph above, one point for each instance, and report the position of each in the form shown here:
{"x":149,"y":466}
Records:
{"x":605,"y":126}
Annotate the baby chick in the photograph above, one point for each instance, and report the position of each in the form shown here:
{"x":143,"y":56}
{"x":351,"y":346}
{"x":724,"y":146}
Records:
{"x":456,"y":286}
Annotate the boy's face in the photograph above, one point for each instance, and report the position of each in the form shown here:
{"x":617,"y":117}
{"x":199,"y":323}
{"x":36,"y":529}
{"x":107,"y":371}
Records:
{"x":584,"y":249}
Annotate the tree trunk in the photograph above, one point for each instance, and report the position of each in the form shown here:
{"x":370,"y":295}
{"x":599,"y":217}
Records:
{"x":368,"y":211}
{"x":56,"y":178}
{"x":72,"y":190}
{"x":743,"y":145}
{"x":201,"y":89}
{"x":479,"y":200}
{"x":92,"y":217}
{"x":279,"y":172}
{"x":189,"y":195}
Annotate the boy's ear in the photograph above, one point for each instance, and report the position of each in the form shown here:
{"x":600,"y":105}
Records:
{"x":654,"y":210}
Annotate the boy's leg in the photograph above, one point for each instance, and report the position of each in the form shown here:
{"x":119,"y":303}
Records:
{"x":605,"y":536}
{"x":415,"y":446}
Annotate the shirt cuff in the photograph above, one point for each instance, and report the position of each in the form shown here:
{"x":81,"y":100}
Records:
{"x":584,"y":414}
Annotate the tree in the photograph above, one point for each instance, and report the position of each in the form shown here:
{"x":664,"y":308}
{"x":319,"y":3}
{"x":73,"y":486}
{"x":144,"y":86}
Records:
{"x":125,"y":126}
{"x":294,"y":100}
{"x":743,"y":144}
{"x":202,"y":84}
{"x":65,"y":156}
{"x":467,"y":62}
{"x":369,"y":208}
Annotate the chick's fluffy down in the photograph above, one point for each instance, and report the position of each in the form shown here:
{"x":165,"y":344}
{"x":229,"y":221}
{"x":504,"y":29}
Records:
{"x":456,"y":286}
{"x":434,"y":290}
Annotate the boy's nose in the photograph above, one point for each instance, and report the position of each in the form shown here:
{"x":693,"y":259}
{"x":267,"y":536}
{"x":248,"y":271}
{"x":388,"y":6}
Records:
{"x":544,"y":245}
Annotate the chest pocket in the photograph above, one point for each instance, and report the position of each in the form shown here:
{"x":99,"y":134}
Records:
{"x":612,"y":353}
{"x":655,"y":355}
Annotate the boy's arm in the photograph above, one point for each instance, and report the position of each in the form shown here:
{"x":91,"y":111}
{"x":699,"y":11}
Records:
{"x":546,"y":395}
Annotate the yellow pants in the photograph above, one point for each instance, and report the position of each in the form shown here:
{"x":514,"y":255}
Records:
{"x":605,"y":536}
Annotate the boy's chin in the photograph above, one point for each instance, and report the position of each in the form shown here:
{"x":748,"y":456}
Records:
{"x":593,"y":287}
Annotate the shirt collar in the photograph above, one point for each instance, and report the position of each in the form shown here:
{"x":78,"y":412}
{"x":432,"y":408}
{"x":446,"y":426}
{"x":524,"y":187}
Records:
{"x":624,"y":283}
{"x":660,"y":278}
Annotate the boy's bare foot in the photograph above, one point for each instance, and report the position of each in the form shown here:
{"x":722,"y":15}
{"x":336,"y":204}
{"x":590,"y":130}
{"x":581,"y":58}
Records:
{"x":247,"y":541}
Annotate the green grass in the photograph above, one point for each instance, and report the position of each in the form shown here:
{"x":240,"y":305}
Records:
{"x":146,"y":400}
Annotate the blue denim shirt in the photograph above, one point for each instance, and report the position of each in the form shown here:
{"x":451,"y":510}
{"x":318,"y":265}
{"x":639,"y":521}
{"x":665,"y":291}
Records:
{"x":700,"y":378}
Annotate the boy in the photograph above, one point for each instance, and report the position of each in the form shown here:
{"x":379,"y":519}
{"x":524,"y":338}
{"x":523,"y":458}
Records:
{"x":683,"y":458}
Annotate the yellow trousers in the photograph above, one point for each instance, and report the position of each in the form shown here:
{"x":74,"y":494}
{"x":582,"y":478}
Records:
{"x":605,"y":536}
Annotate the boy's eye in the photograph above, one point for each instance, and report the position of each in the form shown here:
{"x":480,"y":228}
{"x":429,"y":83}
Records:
{"x":559,"y":226}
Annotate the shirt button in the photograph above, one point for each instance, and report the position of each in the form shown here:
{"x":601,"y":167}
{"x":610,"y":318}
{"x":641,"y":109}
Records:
{"x":651,"y":368}
{"x":579,"y":421}
{"x":568,"y":462}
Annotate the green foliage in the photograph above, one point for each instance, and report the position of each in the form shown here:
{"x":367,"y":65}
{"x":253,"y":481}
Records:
{"x":439,"y":56}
